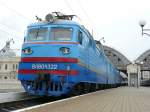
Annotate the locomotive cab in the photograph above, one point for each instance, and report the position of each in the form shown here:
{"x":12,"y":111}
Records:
{"x":55,"y":34}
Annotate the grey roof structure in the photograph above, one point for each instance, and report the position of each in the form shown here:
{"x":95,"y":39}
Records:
{"x":115,"y":57}
{"x":118,"y":59}
{"x":144,"y":60}
{"x":143,"y":56}
{"x":6,"y":51}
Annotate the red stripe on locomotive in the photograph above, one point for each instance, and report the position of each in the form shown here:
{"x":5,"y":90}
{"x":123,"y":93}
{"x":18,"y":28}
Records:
{"x":58,"y":72}
{"x":49,"y":59}
{"x":51,"y":43}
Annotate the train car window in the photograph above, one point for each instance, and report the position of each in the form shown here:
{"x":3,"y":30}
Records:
{"x":64,"y":34}
{"x":80,"y":37}
{"x":37,"y":34}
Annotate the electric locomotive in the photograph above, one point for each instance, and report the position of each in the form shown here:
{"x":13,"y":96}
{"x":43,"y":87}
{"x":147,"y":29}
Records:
{"x":60,"y":56}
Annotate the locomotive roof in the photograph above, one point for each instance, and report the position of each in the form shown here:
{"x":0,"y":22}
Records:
{"x":58,"y":21}
{"x":61,"y":22}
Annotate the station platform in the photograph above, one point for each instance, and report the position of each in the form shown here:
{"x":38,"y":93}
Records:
{"x":13,"y":96}
{"x":10,"y":86}
{"x":122,"y":99}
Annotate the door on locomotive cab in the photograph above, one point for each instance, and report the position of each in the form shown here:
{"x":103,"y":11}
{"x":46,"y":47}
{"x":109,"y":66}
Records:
{"x":92,"y":54}
{"x":83,"y":49}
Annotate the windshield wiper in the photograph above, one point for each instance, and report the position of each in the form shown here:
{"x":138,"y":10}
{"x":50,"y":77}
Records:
{"x":37,"y":33}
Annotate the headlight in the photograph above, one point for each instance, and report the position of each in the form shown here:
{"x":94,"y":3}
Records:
{"x":27,"y":50}
{"x":65,"y":50}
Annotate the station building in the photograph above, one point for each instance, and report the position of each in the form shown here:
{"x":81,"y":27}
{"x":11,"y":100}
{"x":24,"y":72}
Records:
{"x":9,"y":69}
{"x":8,"y":63}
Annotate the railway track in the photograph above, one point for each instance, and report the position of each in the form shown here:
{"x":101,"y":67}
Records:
{"x":23,"y":100}
{"x":27,"y":102}
{"x":13,"y":105}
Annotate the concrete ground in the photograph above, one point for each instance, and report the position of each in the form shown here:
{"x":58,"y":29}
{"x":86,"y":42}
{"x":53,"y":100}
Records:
{"x":123,"y":99}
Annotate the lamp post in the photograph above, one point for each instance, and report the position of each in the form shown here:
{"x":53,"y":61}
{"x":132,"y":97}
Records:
{"x":142,"y":24}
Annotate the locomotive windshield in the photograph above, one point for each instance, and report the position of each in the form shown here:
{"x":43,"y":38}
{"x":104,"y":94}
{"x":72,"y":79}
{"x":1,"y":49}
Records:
{"x":37,"y":34}
{"x":56,"y":34}
{"x":64,"y":34}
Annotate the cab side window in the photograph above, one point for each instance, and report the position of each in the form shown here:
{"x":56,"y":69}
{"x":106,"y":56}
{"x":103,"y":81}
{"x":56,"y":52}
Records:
{"x":86,"y":41}
{"x":80,"y":37}
{"x":90,"y":42}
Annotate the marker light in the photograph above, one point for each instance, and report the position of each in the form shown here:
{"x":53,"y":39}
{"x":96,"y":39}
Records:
{"x":65,"y":50}
{"x":27,"y":51}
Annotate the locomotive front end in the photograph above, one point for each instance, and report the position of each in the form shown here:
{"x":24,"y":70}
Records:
{"x":49,"y":59}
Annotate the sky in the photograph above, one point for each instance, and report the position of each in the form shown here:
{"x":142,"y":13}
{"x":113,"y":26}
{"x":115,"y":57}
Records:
{"x":115,"y":20}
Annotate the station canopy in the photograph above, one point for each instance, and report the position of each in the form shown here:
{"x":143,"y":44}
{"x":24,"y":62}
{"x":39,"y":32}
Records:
{"x":118,"y":59}
{"x":144,"y":60}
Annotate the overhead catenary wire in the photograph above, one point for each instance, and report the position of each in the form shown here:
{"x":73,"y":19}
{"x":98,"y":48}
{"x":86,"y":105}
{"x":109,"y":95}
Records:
{"x":69,"y":6}
{"x":14,"y":11}
{"x":8,"y":33}
{"x":86,"y":14}
{"x":12,"y":35}
{"x":73,"y":11}
{"x":8,"y":27}
{"x":83,"y":10}
{"x":4,"y":25}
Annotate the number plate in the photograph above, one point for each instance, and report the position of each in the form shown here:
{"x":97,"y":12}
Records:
{"x":45,"y":66}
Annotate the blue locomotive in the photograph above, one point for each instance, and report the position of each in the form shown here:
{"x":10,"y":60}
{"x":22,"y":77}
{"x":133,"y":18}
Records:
{"x":61,"y":57}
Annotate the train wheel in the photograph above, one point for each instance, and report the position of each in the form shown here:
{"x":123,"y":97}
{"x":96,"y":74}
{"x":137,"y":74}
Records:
{"x":76,"y":90}
{"x":88,"y":87}
{"x":100,"y":87}
{"x":93,"y":87}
